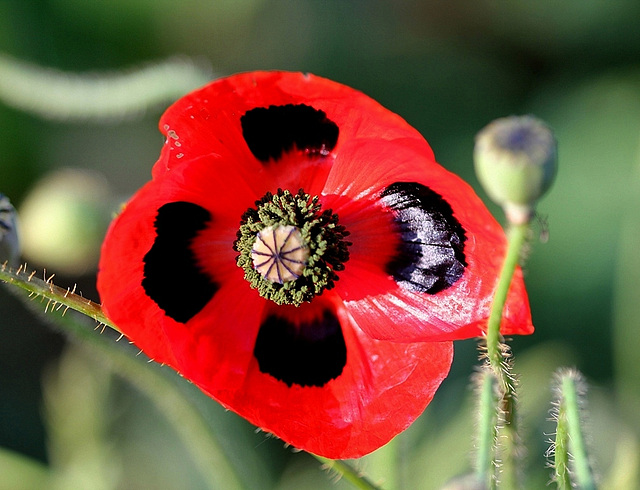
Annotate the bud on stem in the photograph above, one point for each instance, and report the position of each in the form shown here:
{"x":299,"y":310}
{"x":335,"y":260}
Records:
{"x":516,"y":162}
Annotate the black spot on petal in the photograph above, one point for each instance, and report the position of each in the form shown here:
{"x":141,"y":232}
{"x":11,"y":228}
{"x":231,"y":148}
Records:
{"x":309,"y":354}
{"x":270,"y":132}
{"x":172,"y":276}
{"x":430,"y":257}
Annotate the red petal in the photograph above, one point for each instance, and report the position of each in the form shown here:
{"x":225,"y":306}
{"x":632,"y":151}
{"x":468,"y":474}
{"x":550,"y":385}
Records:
{"x":120,"y":275}
{"x":378,"y":304}
{"x":132,"y":234}
{"x":207,"y":121}
{"x":384,"y":387}
{"x":386,"y":311}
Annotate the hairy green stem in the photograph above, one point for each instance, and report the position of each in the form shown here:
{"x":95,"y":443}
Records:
{"x":517,"y":238}
{"x":497,"y":354}
{"x":561,"y":451}
{"x":510,"y":476}
{"x":571,"y":403}
{"x":56,"y":297}
{"x":496,"y":349}
{"x":487,"y":428}
{"x":348,"y":472}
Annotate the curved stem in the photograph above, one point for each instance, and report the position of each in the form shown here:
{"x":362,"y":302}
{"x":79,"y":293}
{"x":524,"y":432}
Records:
{"x":53,"y":94}
{"x":497,"y":354}
{"x":517,"y":238}
{"x":496,"y":349}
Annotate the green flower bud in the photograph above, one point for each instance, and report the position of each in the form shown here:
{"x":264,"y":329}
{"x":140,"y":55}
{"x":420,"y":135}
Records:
{"x":9,"y":237}
{"x":64,"y":219}
{"x":516,"y":162}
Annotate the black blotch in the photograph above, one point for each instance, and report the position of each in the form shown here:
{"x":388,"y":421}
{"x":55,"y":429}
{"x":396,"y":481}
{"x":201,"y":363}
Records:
{"x":430,"y":257}
{"x":172,"y":276}
{"x":270,"y":132}
{"x":310,"y":354}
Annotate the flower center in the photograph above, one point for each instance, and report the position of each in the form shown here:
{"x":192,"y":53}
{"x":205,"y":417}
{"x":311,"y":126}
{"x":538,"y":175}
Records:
{"x":291,"y":249}
{"x":279,"y":253}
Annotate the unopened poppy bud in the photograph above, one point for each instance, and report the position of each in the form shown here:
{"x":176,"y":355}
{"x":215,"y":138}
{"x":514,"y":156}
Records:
{"x":9,"y":238}
{"x":515,"y":160}
{"x":64,"y":218}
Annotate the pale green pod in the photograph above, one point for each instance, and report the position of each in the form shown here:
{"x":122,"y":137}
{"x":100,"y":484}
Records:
{"x":516,"y":162}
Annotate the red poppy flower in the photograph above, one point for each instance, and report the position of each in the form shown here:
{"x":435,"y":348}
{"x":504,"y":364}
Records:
{"x":302,"y":258}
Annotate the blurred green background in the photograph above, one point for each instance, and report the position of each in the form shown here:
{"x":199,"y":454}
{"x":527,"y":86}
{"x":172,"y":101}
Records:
{"x":448,"y":68}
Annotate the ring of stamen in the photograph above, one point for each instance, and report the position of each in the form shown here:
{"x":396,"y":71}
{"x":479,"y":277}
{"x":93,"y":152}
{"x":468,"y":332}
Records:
{"x":290,"y":249}
{"x":279,"y":253}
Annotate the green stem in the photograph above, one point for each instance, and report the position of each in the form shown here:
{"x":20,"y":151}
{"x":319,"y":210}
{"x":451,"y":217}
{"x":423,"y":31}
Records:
{"x":56,"y":297}
{"x":561,"y":450}
{"x":53,"y":94}
{"x":497,"y":356}
{"x":517,"y":238}
{"x":348,"y":472}
{"x":487,"y":429}
{"x":509,"y":438}
{"x":584,"y":476}
{"x":22,"y":472}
